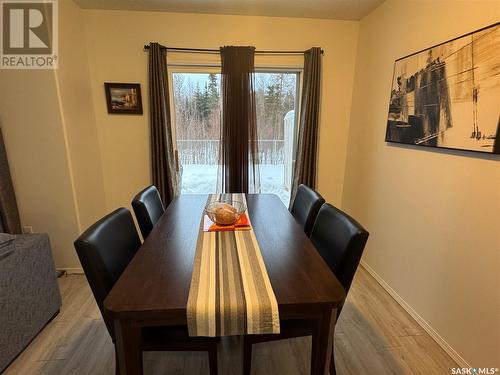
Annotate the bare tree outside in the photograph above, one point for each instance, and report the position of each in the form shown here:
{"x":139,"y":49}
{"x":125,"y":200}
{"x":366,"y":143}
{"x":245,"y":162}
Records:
{"x":197,"y":116}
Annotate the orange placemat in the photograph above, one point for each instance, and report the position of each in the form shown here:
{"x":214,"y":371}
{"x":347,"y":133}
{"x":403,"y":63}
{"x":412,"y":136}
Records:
{"x":242,"y":224}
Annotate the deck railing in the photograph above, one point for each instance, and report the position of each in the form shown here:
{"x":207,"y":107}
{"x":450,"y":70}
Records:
{"x":206,"y":151}
{"x":271,"y":151}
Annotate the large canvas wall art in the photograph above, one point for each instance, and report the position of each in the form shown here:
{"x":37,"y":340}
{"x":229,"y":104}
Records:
{"x":449,"y":95}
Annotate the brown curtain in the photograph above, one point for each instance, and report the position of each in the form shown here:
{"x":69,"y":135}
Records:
{"x":307,"y":138}
{"x":163,"y":162}
{"x":496,"y":144}
{"x":238,"y":152}
{"x":9,"y":215}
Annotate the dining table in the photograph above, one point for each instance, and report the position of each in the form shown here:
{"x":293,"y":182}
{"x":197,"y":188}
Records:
{"x":153,"y":289}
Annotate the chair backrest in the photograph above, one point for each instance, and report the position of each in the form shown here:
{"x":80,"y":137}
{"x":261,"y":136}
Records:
{"x":305,"y":207}
{"x":105,"y":249}
{"x":148,"y":209}
{"x":340,"y":240}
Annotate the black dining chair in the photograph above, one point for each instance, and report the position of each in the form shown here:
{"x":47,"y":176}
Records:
{"x":340,"y":240}
{"x":105,"y":249}
{"x":148,"y":209}
{"x":305,"y":207}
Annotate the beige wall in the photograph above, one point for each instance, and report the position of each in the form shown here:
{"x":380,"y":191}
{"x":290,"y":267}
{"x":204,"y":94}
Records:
{"x":34,"y":138}
{"x":434,"y":215}
{"x":51,"y":140}
{"x":77,"y":111}
{"x":115,"y":40}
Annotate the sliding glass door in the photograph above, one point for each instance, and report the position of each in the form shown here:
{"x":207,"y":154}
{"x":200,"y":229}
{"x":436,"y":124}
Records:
{"x":197,"y":115}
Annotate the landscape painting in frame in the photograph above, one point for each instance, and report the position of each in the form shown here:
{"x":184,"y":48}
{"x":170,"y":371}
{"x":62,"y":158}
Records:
{"x":449,"y":95}
{"x":123,"y":98}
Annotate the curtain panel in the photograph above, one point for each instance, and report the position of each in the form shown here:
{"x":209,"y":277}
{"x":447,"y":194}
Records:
{"x":238,"y":150}
{"x":163,"y":161}
{"x":9,"y":215}
{"x":307,"y":140}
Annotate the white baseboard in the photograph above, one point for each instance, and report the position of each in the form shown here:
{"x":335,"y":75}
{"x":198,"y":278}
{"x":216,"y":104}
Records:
{"x":421,"y":322}
{"x":71,"y":271}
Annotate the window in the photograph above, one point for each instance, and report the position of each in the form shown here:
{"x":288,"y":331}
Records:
{"x":197,"y":115}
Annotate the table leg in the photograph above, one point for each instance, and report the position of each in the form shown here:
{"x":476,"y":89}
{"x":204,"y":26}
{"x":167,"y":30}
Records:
{"x":128,"y":347}
{"x":322,"y":343}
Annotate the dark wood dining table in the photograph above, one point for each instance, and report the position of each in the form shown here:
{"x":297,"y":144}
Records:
{"x":153,"y":290}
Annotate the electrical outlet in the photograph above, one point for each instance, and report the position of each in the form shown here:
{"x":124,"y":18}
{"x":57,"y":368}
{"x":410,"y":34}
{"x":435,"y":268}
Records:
{"x":27,"y":229}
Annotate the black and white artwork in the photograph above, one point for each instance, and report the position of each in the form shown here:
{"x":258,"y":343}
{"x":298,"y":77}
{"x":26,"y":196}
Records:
{"x":449,"y":95}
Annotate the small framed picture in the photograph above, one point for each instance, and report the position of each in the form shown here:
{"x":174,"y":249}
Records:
{"x":124,"y":98}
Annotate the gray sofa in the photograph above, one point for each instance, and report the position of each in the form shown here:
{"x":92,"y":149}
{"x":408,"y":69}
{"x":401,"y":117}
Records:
{"x":29,"y":292}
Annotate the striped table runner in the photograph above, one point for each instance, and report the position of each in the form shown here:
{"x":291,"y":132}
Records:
{"x":230,"y":292}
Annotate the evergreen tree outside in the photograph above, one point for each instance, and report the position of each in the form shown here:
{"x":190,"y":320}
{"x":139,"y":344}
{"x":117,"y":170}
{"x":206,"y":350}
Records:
{"x":197,"y":102}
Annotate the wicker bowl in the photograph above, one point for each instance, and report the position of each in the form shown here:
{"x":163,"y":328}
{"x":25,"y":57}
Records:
{"x":225,"y":211}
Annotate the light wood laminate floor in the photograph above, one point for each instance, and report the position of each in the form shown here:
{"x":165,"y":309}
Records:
{"x":373,"y":336}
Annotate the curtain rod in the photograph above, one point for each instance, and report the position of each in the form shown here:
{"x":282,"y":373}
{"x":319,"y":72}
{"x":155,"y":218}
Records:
{"x":207,"y":50}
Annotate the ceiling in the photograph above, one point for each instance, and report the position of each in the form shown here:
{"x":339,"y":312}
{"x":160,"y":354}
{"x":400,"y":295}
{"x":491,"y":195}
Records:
{"x":333,"y":9}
